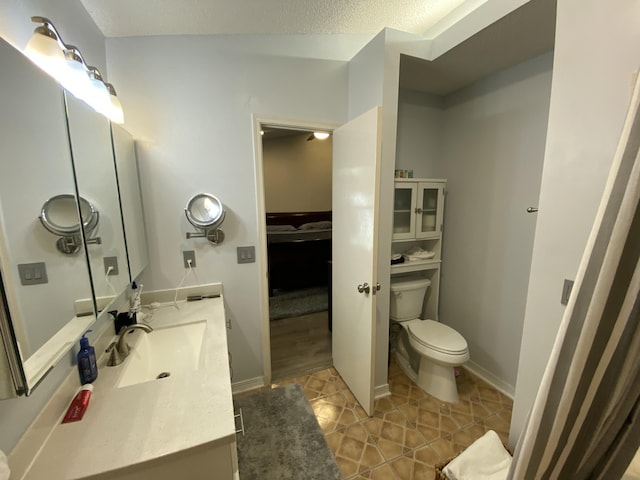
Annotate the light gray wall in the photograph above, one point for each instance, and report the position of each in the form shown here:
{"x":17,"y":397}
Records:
{"x":297,"y":173}
{"x":77,"y":28}
{"x":190,"y":105}
{"x":597,"y":50}
{"x":420,"y":134}
{"x":493,"y":147}
{"x":488,"y":141}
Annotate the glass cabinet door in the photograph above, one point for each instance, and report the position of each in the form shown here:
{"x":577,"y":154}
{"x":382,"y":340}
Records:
{"x":429,"y":210}
{"x":404,"y":205}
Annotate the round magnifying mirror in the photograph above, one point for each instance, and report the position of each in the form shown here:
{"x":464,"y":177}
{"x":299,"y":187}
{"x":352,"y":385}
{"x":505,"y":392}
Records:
{"x":59,"y":215}
{"x":204,"y":211}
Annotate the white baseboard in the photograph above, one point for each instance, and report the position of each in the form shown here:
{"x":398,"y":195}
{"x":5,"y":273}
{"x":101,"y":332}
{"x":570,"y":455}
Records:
{"x":246,"y":385}
{"x":491,"y":379}
{"x":381,"y":391}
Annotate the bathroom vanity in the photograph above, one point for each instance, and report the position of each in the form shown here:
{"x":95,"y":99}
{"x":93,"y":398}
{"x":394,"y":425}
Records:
{"x":180,"y":426}
{"x":418,"y":213}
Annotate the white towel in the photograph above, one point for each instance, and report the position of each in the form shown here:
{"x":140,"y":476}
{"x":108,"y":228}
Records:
{"x":417,"y":253}
{"x":5,"y":473}
{"x":484,"y":459}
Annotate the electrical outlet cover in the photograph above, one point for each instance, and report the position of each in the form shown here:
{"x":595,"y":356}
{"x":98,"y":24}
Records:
{"x":189,"y":255}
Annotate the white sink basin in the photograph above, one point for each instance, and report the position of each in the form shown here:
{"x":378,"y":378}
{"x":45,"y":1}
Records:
{"x":165,"y":352}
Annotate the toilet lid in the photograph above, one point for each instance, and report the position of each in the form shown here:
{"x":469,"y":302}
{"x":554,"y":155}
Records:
{"x":438,"y":337}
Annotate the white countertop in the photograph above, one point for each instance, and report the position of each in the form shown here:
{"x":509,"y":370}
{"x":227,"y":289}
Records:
{"x":125,"y":426}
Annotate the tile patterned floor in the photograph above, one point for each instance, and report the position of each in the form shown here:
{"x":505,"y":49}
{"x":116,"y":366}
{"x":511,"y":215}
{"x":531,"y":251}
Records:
{"x":410,"y":430}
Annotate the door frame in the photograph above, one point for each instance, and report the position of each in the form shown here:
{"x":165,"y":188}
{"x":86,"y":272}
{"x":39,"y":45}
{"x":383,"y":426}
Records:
{"x":261,"y":254}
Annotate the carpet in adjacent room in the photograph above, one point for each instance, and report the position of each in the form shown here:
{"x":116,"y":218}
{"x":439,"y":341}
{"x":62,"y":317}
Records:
{"x":282,"y":438}
{"x":294,"y":303}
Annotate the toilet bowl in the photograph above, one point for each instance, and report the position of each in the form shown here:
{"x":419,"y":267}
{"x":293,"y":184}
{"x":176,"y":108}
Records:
{"x":427,"y":350}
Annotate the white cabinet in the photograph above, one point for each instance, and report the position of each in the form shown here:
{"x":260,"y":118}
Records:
{"x":417,"y":209}
{"x":417,"y":224}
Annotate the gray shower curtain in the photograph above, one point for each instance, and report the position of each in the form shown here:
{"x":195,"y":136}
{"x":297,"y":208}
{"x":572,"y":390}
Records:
{"x":584,"y":423}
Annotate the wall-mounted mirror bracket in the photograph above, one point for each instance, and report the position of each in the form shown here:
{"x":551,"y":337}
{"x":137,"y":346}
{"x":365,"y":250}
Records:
{"x":59,"y":215}
{"x":205,"y":212}
{"x":214,"y":235}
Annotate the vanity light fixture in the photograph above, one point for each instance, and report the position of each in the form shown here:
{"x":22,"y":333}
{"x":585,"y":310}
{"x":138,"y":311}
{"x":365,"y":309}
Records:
{"x":66,"y":64}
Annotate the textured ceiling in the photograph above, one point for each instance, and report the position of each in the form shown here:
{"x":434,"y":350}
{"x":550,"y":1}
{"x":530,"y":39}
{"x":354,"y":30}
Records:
{"x":122,"y":18}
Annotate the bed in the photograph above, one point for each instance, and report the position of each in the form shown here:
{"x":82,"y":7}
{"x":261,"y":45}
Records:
{"x":299,"y":249}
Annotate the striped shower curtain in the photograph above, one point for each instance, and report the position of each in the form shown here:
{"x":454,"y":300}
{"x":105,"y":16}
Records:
{"x":585,"y":419}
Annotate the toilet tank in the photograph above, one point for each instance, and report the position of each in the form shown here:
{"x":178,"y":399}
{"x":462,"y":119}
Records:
{"x":407,"y":297}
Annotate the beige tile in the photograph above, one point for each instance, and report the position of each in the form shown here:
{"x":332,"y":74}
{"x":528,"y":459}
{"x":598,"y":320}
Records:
{"x":347,"y":467}
{"x":357,"y":431}
{"x":389,"y":448}
{"x":351,"y":449}
{"x":427,"y":455}
{"x":443,"y":448}
{"x":334,"y":439}
{"x":410,"y":431}
{"x":383,"y":472}
{"x":371,"y":457}
{"x":403,"y":466}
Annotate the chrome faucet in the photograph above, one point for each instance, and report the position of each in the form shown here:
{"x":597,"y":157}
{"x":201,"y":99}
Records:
{"x":120,"y":348}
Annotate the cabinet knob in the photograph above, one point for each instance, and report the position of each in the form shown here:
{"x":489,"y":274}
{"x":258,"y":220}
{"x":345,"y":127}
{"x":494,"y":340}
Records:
{"x":364,"y":288}
{"x":418,"y":210}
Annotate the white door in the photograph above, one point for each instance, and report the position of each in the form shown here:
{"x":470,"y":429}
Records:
{"x":356,"y":179}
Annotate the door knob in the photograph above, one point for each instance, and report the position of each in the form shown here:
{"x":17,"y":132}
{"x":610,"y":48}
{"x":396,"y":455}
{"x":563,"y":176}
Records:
{"x":364,"y":288}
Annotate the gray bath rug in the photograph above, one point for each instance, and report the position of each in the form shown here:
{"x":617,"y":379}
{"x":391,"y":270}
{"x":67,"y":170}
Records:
{"x":282,"y":438}
{"x":294,"y":303}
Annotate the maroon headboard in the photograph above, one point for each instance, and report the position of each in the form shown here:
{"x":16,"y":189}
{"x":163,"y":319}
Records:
{"x":297,"y":218}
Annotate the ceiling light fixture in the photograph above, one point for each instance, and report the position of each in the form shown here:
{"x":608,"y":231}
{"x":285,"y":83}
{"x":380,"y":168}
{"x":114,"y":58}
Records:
{"x":66,"y":64}
{"x":321,"y":135}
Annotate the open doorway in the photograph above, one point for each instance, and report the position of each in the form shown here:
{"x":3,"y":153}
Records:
{"x":297,"y":186}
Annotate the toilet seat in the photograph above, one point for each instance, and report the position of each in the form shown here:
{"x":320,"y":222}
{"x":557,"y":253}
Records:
{"x":437,"y":336}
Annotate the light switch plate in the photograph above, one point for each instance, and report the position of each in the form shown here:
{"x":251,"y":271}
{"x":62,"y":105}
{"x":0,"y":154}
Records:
{"x":33,"y":273}
{"x":246,"y":254}
{"x":113,"y":263}
{"x":189,"y":255}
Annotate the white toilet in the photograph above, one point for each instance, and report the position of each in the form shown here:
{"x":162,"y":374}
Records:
{"x":427,"y":350}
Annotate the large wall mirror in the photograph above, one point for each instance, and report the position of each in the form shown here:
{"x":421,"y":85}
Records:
{"x":58,"y":237}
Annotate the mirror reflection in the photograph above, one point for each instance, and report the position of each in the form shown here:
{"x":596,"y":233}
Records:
{"x":92,"y":152}
{"x":130,"y":200}
{"x":60,"y":216}
{"x":39,"y":283}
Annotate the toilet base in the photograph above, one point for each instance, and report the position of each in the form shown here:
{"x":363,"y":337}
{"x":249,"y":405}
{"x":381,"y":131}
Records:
{"x":437,"y":380}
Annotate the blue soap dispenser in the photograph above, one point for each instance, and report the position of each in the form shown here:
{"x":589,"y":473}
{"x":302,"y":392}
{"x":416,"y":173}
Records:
{"x":87,"y":366}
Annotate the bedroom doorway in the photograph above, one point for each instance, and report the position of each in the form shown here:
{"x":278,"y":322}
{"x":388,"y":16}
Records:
{"x":296,"y":189}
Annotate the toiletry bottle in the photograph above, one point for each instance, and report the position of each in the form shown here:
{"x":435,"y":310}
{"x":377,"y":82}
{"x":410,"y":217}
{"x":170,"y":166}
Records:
{"x":79,"y":405}
{"x":134,"y":302}
{"x":87,"y":366}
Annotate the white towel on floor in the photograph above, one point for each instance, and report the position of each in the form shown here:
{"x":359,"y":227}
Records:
{"x":484,"y":459}
{"x":5,"y":473}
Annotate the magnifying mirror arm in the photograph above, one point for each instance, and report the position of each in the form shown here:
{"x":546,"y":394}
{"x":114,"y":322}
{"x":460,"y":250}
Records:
{"x":213,"y":235}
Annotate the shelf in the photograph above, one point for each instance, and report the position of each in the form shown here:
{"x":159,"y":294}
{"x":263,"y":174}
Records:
{"x":415,"y":266}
